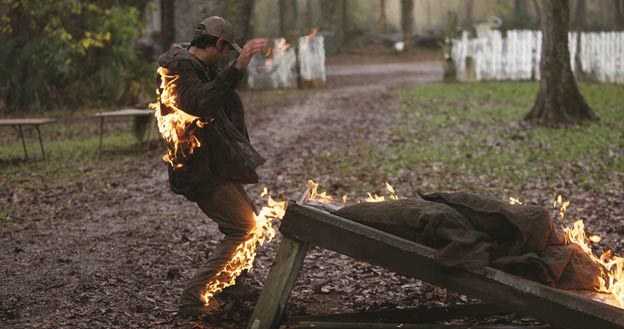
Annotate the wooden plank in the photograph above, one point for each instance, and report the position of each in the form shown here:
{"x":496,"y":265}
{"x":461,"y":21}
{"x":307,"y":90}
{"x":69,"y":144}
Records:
{"x":556,"y":306}
{"x":414,"y":315}
{"x":343,"y":325}
{"x":271,"y":304}
{"x":26,"y":121}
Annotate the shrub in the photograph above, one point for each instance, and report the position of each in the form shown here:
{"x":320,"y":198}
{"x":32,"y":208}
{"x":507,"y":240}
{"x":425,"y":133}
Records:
{"x":71,"y":53}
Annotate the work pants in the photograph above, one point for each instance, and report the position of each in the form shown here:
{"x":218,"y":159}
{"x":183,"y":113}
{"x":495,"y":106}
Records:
{"x":230,"y":207}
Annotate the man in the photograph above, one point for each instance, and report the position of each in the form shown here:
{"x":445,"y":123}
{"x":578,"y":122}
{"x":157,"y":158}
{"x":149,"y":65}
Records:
{"x":212,"y":175}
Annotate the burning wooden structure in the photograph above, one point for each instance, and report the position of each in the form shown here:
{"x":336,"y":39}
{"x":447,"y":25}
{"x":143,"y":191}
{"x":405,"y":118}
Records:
{"x":305,"y":225}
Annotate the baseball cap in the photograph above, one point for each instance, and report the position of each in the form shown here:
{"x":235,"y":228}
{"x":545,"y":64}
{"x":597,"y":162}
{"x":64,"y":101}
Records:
{"x":218,"y":27}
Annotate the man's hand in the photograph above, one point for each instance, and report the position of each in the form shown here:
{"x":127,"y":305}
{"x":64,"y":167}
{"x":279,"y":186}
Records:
{"x":249,"y":49}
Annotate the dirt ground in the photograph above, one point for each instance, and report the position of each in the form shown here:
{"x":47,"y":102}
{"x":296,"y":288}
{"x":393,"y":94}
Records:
{"x":114,"y":248}
{"x":117,"y":254}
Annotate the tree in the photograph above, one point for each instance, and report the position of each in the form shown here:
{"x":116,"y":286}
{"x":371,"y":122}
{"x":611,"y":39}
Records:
{"x":247,"y":9}
{"x":167,"y":21}
{"x":287,"y":18}
{"x":559,"y":101}
{"x":335,"y":15}
{"x":537,"y":11}
{"x":619,"y":13}
{"x":309,"y":13}
{"x":381,"y":21}
{"x":407,"y":21}
{"x":580,"y":21}
{"x":469,"y":13}
{"x":521,"y":13}
{"x":56,"y":52}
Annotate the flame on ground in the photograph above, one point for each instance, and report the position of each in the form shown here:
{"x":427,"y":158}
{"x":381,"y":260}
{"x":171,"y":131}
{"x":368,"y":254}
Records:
{"x":611,"y":280}
{"x":381,"y":198}
{"x":176,"y":127}
{"x":245,"y":253}
{"x":513,"y":200}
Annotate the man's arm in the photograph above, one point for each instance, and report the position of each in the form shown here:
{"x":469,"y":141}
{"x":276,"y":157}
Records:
{"x":204,"y":99}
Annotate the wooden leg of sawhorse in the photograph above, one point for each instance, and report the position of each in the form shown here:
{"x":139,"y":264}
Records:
{"x":269,"y":311}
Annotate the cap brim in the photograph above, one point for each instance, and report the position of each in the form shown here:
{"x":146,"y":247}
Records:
{"x":236,"y":47}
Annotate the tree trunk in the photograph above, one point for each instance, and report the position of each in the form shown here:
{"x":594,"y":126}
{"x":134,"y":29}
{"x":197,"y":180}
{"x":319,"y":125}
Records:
{"x":335,"y":15}
{"x":538,"y":14}
{"x":247,"y":9}
{"x":407,"y":21}
{"x":580,"y":22}
{"x":381,"y":22}
{"x":521,"y":13}
{"x":618,"y":13}
{"x":329,"y":13}
{"x":167,"y":18}
{"x":469,"y":13}
{"x":309,"y":21}
{"x":284,"y":17}
{"x":343,"y":25}
{"x":559,"y":101}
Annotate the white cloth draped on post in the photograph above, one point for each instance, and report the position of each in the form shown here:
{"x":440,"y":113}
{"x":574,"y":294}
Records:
{"x":275,"y":69}
{"x":517,"y":56}
{"x":312,"y":59}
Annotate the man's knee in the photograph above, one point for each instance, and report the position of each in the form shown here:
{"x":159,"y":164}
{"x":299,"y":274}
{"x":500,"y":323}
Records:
{"x":241,"y":231}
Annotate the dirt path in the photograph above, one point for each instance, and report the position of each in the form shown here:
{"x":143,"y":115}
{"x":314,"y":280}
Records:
{"x":115,"y":253}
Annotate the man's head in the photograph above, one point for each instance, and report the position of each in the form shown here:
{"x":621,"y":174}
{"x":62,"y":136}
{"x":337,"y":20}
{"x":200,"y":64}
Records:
{"x":212,"y":40}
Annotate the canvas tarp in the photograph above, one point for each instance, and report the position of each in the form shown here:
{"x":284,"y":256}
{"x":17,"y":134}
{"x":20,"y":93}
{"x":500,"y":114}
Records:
{"x":471,"y":232}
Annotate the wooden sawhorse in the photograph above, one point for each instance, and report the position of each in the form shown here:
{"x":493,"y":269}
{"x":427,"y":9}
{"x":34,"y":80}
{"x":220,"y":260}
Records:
{"x":303,"y":226}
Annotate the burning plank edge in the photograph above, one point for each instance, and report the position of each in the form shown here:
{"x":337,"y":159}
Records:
{"x":303,"y":226}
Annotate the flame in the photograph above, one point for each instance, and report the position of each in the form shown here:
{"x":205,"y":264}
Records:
{"x":176,"y":127}
{"x":275,"y":52}
{"x":381,"y":198}
{"x":611,"y":280}
{"x":312,"y":34}
{"x":316,"y":196}
{"x":245,"y":253}
{"x":513,"y":200}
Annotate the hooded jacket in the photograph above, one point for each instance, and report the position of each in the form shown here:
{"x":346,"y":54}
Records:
{"x":225,"y":153}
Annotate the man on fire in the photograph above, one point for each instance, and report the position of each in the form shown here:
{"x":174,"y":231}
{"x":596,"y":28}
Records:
{"x":209,"y":153}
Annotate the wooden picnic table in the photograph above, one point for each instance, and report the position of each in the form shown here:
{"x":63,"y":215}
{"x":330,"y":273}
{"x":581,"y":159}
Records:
{"x":124,"y":113}
{"x":36,"y":122}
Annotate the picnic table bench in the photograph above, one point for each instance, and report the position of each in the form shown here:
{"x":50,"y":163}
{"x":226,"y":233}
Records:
{"x":124,"y":113}
{"x":36,"y":122}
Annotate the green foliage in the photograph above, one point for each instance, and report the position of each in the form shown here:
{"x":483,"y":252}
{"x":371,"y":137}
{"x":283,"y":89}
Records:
{"x":71,"y":53}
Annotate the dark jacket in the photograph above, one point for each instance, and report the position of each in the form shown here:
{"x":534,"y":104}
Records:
{"x":225,"y":153}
